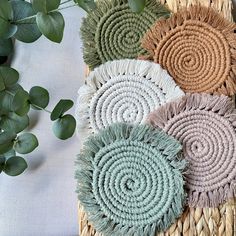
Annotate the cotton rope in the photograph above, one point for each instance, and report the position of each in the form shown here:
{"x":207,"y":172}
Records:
{"x":197,"y":46}
{"x":112,"y":31}
{"x":130,"y":180}
{"x":205,"y":126}
{"x":123,"y":91}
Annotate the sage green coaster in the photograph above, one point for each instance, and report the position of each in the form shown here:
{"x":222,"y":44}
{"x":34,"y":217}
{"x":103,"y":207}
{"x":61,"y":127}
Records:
{"x":112,"y":31}
{"x":130,"y":180}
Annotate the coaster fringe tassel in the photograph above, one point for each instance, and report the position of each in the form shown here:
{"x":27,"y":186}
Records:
{"x":224,"y":7}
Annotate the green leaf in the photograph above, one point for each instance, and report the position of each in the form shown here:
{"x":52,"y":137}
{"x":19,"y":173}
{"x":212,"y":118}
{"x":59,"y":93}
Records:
{"x":6,"y":141}
{"x":27,"y":30}
{"x":51,"y":25}
{"x":6,"y":47}
{"x":39,"y":96}
{"x":15,"y":166}
{"x":14,"y":89}
{"x":6,"y":98}
{"x":10,"y":153}
{"x":2,"y":163}
{"x":7,"y":30}
{"x":6,"y":10}
{"x":45,"y":5}
{"x":64,"y":127}
{"x":87,"y":5}
{"x":137,"y":5}
{"x":39,"y":5}
{"x":20,"y":103}
{"x":9,"y":76}
{"x":2,"y":85}
{"x":61,"y":107}
{"x":13,"y":122}
{"x":25,"y":143}
{"x":5,"y":102}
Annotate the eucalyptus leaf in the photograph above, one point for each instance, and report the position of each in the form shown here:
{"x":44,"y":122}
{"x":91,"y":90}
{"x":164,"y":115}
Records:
{"x":7,"y":30}
{"x":64,"y":127}
{"x":27,"y":30}
{"x":6,"y":98}
{"x":9,"y":76}
{"x":10,"y":153}
{"x":20,"y":103}
{"x":15,"y":166}
{"x":87,"y":5}
{"x":6,"y":10}
{"x":2,"y":163}
{"x":2,"y":85}
{"x":61,"y":107}
{"x":13,"y":122}
{"x":6,"y":47}
{"x":137,"y":5}
{"x":25,"y":143}
{"x":5,"y":102}
{"x":13,"y":89}
{"x":45,"y":5}
{"x":51,"y":25}
{"x":38,"y":96}
{"x":6,"y":141}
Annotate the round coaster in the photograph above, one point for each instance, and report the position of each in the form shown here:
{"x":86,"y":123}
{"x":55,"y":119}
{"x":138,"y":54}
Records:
{"x":123,"y":91}
{"x":197,"y":47}
{"x":205,"y":126}
{"x":112,"y":31}
{"x":130,"y":180}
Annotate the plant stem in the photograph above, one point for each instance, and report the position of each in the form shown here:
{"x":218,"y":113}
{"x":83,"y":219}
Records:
{"x":31,"y":17}
{"x":65,"y":2}
{"x":62,"y":8}
{"x":40,"y":108}
{"x":22,"y":20}
{"x":9,"y":93}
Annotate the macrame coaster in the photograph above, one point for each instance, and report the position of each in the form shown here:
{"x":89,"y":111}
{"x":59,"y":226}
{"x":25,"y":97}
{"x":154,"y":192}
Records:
{"x":197,"y":46}
{"x":130,"y":180}
{"x":205,"y":126}
{"x":123,"y":91}
{"x":113,"y":31}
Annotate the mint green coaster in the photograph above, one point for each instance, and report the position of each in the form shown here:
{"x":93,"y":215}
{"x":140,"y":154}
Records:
{"x":130,"y":180}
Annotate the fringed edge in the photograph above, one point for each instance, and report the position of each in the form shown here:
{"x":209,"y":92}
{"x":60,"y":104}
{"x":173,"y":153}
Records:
{"x":148,"y":70}
{"x":204,"y":14}
{"x":212,"y":198}
{"x":222,"y":105}
{"x":224,"y":7}
{"x":90,"y":23}
{"x":84,"y":174}
{"x":85,"y":94}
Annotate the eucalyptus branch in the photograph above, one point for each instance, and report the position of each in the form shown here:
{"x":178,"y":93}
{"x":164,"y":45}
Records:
{"x":34,"y":16}
{"x":41,"y":108}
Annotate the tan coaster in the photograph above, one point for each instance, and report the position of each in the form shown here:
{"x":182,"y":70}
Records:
{"x":197,"y":46}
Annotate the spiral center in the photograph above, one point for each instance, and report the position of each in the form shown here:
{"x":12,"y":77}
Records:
{"x":124,"y":98}
{"x":197,"y":57}
{"x":130,"y":179}
{"x":209,"y":146}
